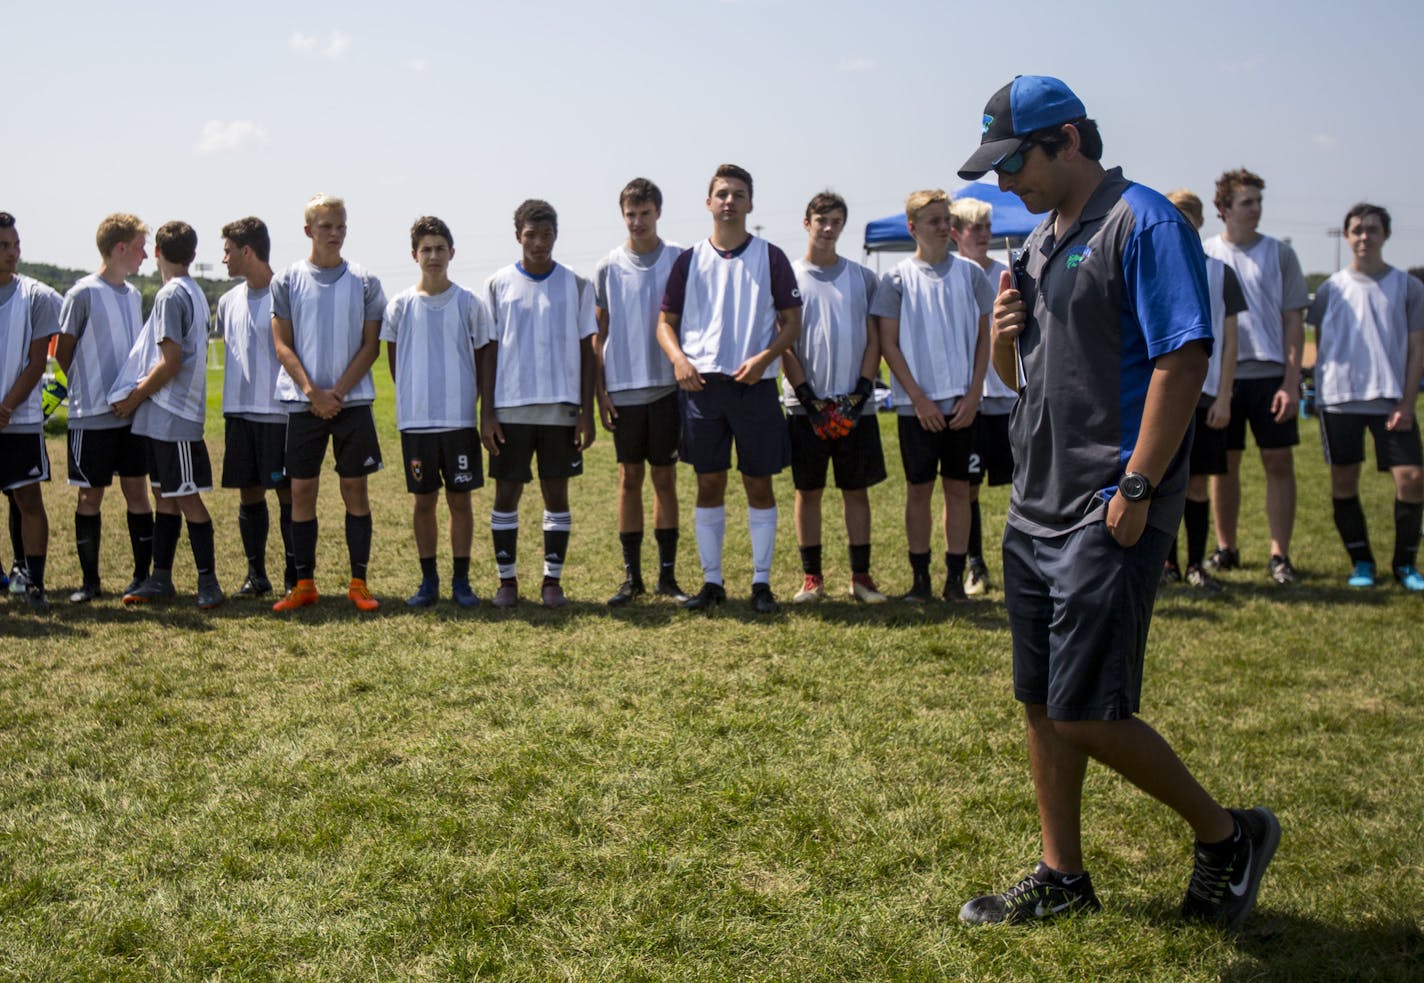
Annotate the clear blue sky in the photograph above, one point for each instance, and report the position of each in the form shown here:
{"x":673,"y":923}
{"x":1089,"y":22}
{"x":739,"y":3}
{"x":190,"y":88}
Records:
{"x":463,"y":110}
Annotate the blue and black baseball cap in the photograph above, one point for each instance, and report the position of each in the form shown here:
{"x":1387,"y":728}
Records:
{"x":1028,"y":103}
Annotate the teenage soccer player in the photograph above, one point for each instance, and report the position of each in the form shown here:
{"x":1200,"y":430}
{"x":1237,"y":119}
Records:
{"x":731,"y":309}
{"x":637,"y":393}
{"x":29,"y":317}
{"x":537,"y":379}
{"x":1270,"y":341}
{"x":163,"y":388}
{"x":98,"y":324}
{"x":326,"y":322}
{"x":934,"y":334}
{"x":1370,"y":323}
{"x":1213,"y":409}
{"x":1109,"y":326}
{"x":836,"y":356}
{"x":432,"y":331}
{"x":970,"y":226}
{"x":255,"y":424}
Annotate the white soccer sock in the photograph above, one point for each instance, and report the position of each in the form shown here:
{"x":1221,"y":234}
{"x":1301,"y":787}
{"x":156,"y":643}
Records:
{"x":762,"y":525}
{"x":711,"y":527}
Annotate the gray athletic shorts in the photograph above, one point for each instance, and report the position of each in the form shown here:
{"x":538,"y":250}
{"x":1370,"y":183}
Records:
{"x":1079,"y":608}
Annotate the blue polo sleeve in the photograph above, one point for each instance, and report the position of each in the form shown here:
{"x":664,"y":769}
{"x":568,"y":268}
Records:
{"x":1164,"y":273}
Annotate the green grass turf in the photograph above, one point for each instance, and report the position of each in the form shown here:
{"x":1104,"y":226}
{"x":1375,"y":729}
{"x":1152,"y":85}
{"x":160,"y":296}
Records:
{"x":654,"y":795}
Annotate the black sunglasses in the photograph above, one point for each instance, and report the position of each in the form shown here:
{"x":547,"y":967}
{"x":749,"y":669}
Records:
{"x":1014,"y":163}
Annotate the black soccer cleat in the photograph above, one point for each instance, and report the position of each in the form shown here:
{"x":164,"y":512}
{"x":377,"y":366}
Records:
{"x":709,"y":596}
{"x":1223,"y":559}
{"x":153,"y":588}
{"x":210,"y":593}
{"x":1223,"y":890}
{"x":626,"y":592}
{"x":667,"y":587}
{"x":920,"y":591}
{"x":255,"y":585}
{"x":763,"y":600}
{"x":1038,"y":896}
{"x":35,"y":598}
{"x":85,"y":594}
{"x":1281,"y":570}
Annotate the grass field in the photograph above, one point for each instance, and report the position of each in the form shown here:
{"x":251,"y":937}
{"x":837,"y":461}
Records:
{"x":654,"y":795}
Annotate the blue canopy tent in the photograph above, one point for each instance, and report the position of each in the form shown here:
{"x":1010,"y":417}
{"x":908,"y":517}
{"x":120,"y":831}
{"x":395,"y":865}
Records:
{"x":891,"y":234}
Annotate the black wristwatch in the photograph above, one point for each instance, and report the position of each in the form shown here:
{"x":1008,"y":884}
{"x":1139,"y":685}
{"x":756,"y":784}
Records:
{"x":1135,"y":487}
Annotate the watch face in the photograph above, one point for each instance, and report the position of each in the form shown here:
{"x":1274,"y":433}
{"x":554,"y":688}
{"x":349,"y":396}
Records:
{"x":1134,"y":487}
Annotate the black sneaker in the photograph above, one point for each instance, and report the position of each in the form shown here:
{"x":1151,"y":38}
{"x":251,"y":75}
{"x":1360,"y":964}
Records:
{"x":920,"y":592}
{"x":1170,"y":573}
{"x":1281,"y":570}
{"x":134,"y":585}
{"x":628,"y":590}
{"x":35,"y":598}
{"x":85,"y":594}
{"x":1039,"y":895}
{"x":1222,"y":559}
{"x":255,"y":585}
{"x":763,"y":601}
{"x":1223,"y":889}
{"x":1203,"y":581}
{"x":667,"y":587}
{"x":709,"y":596}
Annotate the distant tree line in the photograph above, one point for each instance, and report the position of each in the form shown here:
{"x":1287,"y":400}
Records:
{"x":62,"y":279}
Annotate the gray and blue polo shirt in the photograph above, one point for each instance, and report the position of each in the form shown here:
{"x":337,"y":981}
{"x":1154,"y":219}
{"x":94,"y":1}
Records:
{"x":1125,"y":285}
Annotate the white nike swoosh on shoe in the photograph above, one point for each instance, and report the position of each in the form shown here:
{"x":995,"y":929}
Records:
{"x":1240,"y":889}
{"x":1042,"y":909}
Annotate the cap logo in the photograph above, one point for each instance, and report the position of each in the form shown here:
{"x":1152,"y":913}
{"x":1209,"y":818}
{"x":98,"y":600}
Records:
{"x":988,"y":122}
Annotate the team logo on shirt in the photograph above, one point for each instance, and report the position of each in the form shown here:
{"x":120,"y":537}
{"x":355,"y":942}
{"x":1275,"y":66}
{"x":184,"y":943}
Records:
{"x":1076,"y":255}
{"x":416,"y":468}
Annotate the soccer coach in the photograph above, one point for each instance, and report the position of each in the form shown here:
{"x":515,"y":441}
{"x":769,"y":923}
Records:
{"x":1107,"y":323}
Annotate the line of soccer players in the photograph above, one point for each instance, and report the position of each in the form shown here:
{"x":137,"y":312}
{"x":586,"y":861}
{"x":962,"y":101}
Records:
{"x":677,"y":352}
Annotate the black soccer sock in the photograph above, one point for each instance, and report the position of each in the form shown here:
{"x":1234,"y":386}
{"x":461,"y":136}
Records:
{"x":1350,"y":521}
{"x":955,"y":562}
{"x":200,"y":540}
{"x":1196,"y":518}
{"x":284,"y":522}
{"x":632,"y":543}
{"x":304,"y":548}
{"x":141,"y":533}
{"x":253,"y":523}
{"x":1172,"y":553}
{"x":556,"y":543}
{"x":35,"y":571}
{"x":667,"y":552}
{"x":428,"y":573}
{"x":811,"y":560}
{"x":358,"y":543}
{"x":504,"y":534}
{"x":920,"y":566}
{"x":88,"y":535}
{"x":976,"y":531}
{"x":17,"y":539}
{"x":461,"y":572}
{"x":167,"y":527}
{"x":859,"y":557}
{"x":1407,"y":516}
